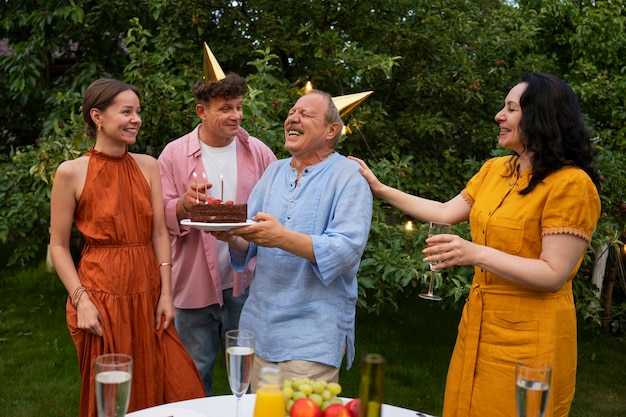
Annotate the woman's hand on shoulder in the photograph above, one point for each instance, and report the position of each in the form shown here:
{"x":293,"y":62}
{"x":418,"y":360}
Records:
{"x":375,"y":185}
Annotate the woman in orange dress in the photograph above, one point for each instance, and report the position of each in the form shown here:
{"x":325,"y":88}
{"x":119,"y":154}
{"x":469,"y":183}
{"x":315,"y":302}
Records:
{"x":120,"y":296}
{"x":531,"y":219}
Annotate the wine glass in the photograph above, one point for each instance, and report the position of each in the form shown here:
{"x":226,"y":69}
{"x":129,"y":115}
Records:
{"x":239,"y":357}
{"x":113,"y":376}
{"x":434,"y":229}
{"x":532,"y":388}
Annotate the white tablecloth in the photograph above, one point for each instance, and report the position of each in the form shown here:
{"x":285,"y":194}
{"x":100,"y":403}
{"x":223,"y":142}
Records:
{"x":224,"y":406}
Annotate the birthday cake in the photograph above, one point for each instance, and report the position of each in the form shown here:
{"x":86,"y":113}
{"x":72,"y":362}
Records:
{"x":218,"y":212}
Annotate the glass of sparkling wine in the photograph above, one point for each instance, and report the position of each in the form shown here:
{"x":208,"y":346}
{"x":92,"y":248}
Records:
{"x":434,"y":229}
{"x":532,"y":388}
{"x":113,"y":376}
{"x":239,"y":357}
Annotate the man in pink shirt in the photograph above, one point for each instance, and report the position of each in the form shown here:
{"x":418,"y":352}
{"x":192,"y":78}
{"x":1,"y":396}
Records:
{"x":208,"y":294}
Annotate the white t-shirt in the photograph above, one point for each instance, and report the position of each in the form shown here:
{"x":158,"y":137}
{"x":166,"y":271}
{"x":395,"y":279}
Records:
{"x":221,"y":171}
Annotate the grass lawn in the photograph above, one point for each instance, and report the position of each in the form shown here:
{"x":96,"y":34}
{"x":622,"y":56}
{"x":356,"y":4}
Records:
{"x":38,"y":364}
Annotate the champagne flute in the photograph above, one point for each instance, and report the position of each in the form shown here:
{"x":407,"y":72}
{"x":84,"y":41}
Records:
{"x":434,"y":228}
{"x":113,"y":376}
{"x":239,"y":357}
{"x":532,"y":388}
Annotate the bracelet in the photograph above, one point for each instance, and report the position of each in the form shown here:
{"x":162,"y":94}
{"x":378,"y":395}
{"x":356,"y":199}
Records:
{"x":165,"y":264}
{"x":182,"y":204}
{"x":78,"y":292}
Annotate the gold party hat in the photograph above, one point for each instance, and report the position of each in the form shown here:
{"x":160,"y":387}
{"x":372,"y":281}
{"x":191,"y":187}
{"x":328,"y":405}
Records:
{"x":345,"y":104}
{"x":211,"y":70}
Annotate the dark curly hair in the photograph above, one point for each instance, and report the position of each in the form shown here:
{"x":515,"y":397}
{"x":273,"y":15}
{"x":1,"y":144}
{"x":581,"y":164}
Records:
{"x":553,"y":129}
{"x":232,"y":86}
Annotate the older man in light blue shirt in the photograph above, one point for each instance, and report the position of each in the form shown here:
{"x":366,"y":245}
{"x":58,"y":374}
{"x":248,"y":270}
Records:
{"x":313,"y":214}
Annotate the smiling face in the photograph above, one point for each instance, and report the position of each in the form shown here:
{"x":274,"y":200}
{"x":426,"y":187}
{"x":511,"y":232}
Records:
{"x":509,"y":119}
{"x":307,"y":135}
{"x":221,"y":119}
{"x":120,"y":121}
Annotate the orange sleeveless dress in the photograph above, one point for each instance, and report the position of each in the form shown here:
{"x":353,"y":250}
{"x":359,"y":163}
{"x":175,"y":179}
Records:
{"x":120,"y":271}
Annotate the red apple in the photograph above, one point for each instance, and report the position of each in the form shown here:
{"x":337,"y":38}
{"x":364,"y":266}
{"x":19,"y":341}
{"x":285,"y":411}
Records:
{"x":336,"y":410}
{"x":305,"y":407}
{"x":353,"y":407}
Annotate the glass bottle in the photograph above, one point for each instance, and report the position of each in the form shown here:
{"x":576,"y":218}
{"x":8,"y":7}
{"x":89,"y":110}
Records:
{"x":270,"y":400}
{"x":371,"y":387}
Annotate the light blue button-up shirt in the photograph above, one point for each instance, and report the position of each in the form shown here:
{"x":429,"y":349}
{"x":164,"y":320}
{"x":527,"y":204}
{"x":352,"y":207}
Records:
{"x":301,"y":310}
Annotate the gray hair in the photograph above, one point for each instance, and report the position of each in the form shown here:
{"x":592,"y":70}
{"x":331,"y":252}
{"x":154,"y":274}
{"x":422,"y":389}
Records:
{"x":332,"y":114}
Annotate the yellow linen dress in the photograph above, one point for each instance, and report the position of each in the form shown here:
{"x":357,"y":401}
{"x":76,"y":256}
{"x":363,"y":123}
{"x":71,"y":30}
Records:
{"x":503,"y":323}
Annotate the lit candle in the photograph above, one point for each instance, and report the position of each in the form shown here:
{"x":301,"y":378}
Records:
{"x":206,"y":200}
{"x":222,"y":181}
{"x":195,"y":180}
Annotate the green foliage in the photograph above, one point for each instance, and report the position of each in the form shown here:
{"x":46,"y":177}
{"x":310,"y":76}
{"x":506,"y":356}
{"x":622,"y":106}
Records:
{"x":164,"y":75}
{"x":392,"y":263}
{"x":25,"y":195}
{"x":25,"y":207}
{"x":268,"y":101}
{"x":439,"y":72}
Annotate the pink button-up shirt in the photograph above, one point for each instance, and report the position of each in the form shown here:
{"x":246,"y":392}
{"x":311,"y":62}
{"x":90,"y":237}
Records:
{"x":196,"y":279}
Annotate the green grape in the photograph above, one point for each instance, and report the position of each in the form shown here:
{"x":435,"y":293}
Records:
{"x":334,"y":388}
{"x":318,"y":386}
{"x":317,"y":399}
{"x":321,"y":392}
{"x":295,"y":383}
{"x":298,"y":394}
{"x":306,"y":388}
{"x":326,"y":395}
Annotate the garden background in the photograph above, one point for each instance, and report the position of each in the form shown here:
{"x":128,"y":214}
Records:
{"x":439,"y":71}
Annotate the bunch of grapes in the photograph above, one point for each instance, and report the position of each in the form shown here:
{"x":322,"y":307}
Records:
{"x":321,"y":392}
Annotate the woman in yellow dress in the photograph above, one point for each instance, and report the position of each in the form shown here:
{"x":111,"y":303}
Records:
{"x":531,"y":219}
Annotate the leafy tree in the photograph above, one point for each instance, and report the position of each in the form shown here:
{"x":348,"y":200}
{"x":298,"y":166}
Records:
{"x":439,"y":72}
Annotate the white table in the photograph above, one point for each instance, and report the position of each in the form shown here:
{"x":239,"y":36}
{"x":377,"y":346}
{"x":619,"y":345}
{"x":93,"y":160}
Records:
{"x":224,"y":406}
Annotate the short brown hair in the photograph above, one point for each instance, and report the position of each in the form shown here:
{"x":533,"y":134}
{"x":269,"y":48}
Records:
{"x":231,"y":87}
{"x":100,"y":95}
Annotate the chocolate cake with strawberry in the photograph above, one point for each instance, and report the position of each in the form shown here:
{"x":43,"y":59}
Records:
{"x":217,"y":212}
